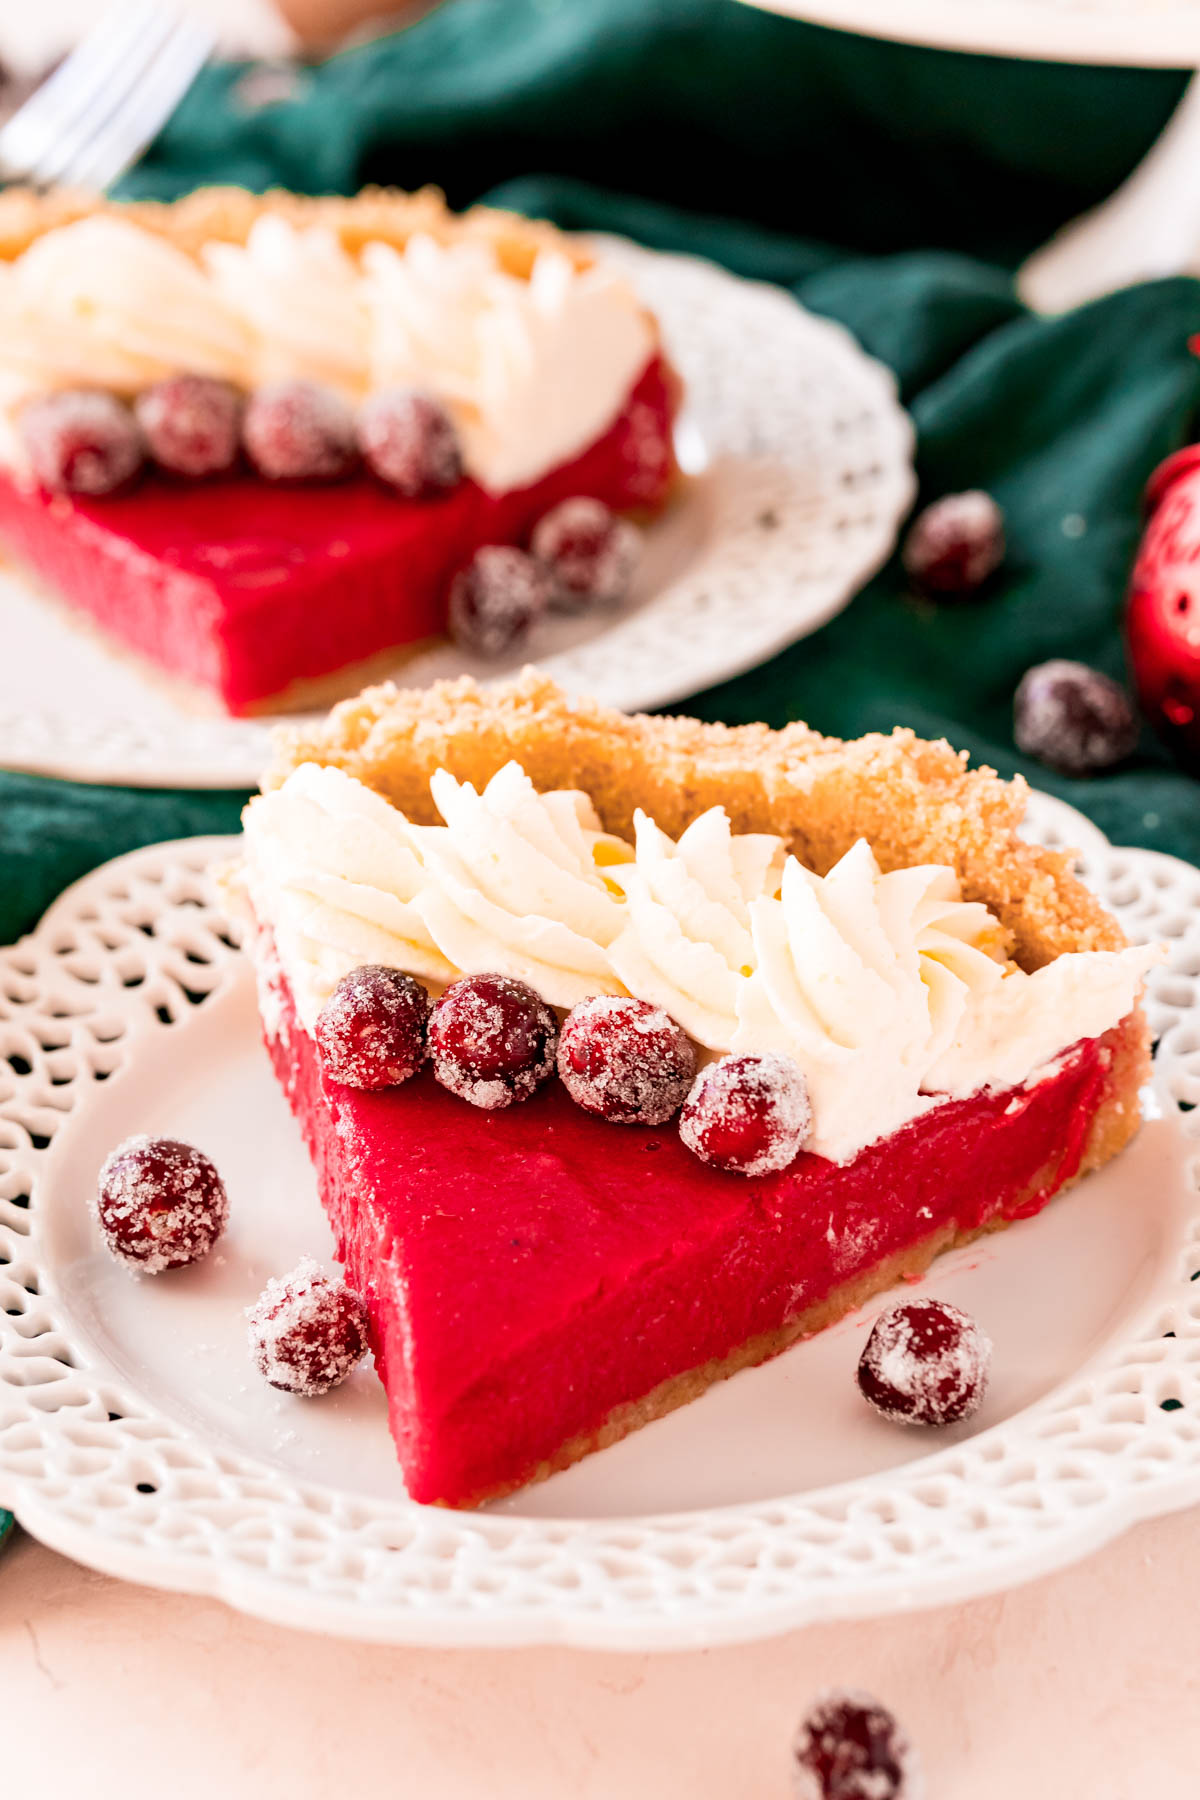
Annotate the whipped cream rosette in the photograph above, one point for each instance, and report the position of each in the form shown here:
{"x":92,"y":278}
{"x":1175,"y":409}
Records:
{"x":515,"y":884}
{"x":333,"y":870}
{"x":686,"y":945}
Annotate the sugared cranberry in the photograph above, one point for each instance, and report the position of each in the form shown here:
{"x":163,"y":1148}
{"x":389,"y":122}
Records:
{"x":748,"y":1114}
{"x":307,"y":1332}
{"x":299,"y":431}
{"x":625,"y":1061}
{"x":82,"y":441}
{"x":849,"y":1747}
{"x":409,"y":440}
{"x":955,"y":544}
{"x":192,"y":424}
{"x":496,"y":599}
{"x":492,"y":1040}
{"x":371,"y":1030}
{"x":1073,"y":718}
{"x":160,"y":1204}
{"x":925,"y":1363}
{"x":590,"y":553}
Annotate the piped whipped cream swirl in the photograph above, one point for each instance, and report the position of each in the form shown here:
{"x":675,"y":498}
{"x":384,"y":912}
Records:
{"x":334,"y":870}
{"x":533,"y":371}
{"x":102,"y":303}
{"x":514,"y":883}
{"x":890,"y":992}
{"x":686,"y":945}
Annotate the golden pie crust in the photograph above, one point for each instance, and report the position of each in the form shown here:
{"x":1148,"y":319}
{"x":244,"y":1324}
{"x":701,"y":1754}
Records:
{"x":226,"y":215}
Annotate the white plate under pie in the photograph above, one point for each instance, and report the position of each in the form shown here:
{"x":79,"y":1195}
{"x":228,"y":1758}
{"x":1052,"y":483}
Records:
{"x":136,"y":1436}
{"x":800,"y":463}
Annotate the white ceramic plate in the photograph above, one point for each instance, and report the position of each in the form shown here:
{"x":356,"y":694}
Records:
{"x":135,"y":1435}
{"x":801,"y":464}
{"x":1135,"y":33}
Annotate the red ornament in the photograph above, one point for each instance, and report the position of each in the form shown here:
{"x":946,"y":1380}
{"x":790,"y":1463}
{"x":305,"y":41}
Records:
{"x":1162,"y":621}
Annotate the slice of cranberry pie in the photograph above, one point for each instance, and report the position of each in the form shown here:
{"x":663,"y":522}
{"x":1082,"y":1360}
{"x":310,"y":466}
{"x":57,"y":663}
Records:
{"x":630,"y":1050}
{"x":256,"y":439}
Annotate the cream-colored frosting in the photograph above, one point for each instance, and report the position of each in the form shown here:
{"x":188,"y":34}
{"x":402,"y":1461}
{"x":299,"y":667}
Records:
{"x":515,"y":883}
{"x":686,"y":944}
{"x":102,"y":303}
{"x":533,"y":371}
{"x":890,"y":992}
{"x":334,"y":870}
{"x":302,"y":299}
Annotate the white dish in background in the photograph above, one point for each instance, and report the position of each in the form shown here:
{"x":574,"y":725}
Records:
{"x":800,"y":459}
{"x":1134,"y":33}
{"x":136,"y":1436}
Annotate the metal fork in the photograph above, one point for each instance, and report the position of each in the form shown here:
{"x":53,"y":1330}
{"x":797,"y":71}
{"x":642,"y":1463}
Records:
{"x":100,"y":108}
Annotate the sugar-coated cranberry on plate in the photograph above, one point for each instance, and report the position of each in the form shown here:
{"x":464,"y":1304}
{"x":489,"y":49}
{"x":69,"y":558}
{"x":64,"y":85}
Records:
{"x":850,"y":1747}
{"x":371,"y":1030}
{"x":192,"y":424}
{"x":1073,"y":718}
{"x":299,"y":431}
{"x":590,"y":552}
{"x":160,"y":1204}
{"x":492,"y":1040}
{"x":307,"y":1333}
{"x":410,"y":441}
{"x":748,"y":1114}
{"x":496,"y":600}
{"x":955,"y":544}
{"x":82,"y":441}
{"x":625,"y":1060}
{"x":925,"y":1363}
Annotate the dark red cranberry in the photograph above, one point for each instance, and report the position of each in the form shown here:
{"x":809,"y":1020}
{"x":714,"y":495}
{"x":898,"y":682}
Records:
{"x":192,"y":424}
{"x":955,"y":544}
{"x":492,"y":1040}
{"x":625,"y":1061}
{"x":590,"y":553}
{"x":82,"y":441}
{"x":160,"y":1204}
{"x":748,"y":1114}
{"x":1073,"y":718}
{"x":299,"y":431}
{"x":849,"y":1747}
{"x":496,"y":599}
{"x":307,"y":1332}
{"x":925,"y":1363}
{"x":371,"y":1030}
{"x":410,"y":441}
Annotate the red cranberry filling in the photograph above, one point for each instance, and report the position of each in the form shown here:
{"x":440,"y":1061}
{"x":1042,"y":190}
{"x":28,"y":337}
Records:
{"x":590,"y":553}
{"x":81,"y":441}
{"x":409,"y":440}
{"x":925,"y":1363}
{"x":849,"y":1747}
{"x":1073,"y":718}
{"x":160,"y":1204}
{"x":748,"y":1114}
{"x":307,"y":1333}
{"x":625,"y":1061}
{"x":955,"y":544}
{"x":492,"y":1040}
{"x":371,"y":1030}
{"x":496,"y":599}
{"x":192,"y":424}
{"x":299,"y":431}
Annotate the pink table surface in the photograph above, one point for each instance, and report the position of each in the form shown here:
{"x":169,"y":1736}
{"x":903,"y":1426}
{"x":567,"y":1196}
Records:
{"x":1082,"y":1686}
